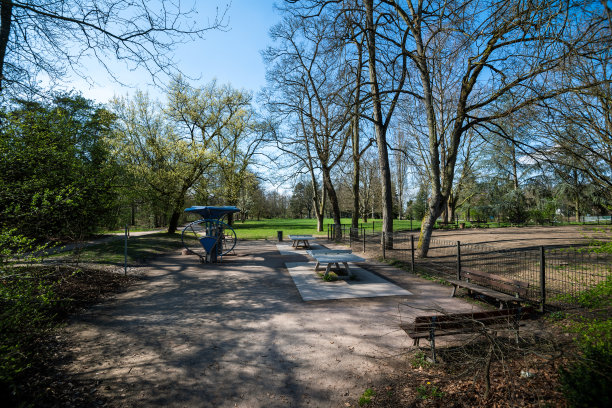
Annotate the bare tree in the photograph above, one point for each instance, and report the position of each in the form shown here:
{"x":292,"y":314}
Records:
{"x":54,"y":37}
{"x":311,"y":87}
{"x":497,"y":52}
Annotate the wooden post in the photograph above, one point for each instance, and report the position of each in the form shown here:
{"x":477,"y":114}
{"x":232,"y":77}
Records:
{"x":458,"y":260}
{"x":412,"y":253}
{"x":542,"y":279}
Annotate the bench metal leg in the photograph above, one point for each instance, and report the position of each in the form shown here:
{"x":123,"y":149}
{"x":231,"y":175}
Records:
{"x":432,"y":343}
{"x":317,"y":266}
{"x":454,"y":291}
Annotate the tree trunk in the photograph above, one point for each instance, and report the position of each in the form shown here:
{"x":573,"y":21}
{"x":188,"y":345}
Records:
{"x":172,"y":226}
{"x":355,"y":216}
{"x":333,"y":200}
{"x":6,"y":17}
{"x":133,"y":214}
{"x":434,"y":209}
{"x":379,"y":128}
{"x":320,"y":209}
{"x":577,"y":205}
{"x":355,"y":140}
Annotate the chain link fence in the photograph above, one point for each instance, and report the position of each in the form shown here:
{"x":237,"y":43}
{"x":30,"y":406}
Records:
{"x":556,"y":276}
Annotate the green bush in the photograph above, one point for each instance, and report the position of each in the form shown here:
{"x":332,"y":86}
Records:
{"x":26,"y":312}
{"x":587,"y":381}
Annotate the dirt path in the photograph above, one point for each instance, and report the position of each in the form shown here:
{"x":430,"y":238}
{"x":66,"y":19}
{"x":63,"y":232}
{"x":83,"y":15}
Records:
{"x":237,"y":334}
{"x":521,"y":237}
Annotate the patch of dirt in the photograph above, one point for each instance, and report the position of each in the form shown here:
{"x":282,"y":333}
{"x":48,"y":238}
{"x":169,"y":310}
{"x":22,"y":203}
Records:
{"x":524,"y":237}
{"x":519,"y":377}
{"x":46,"y":385}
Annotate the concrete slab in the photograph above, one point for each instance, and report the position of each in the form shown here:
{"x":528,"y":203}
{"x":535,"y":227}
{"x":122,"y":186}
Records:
{"x":365,"y":285}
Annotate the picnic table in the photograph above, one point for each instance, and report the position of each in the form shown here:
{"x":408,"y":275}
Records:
{"x":331,"y":257}
{"x":304,"y":239}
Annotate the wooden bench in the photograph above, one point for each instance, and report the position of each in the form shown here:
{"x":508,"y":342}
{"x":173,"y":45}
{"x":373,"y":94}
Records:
{"x":493,"y":286}
{"x":430,"y":327}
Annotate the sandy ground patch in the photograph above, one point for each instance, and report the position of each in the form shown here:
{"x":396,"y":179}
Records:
{"x":238,"y":334}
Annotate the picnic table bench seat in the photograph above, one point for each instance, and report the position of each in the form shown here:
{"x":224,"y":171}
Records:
{"x":501,"y":288}
{"x":430,"y":327}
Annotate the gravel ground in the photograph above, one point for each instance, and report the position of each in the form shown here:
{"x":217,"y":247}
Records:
{"x":237,"y":334}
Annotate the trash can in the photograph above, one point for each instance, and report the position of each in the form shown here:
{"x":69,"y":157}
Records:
{"x":279,"y":234}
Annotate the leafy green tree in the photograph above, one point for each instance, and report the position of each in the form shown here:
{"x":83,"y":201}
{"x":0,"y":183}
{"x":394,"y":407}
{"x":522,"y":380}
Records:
{"x":302,"y":200}
{"x":196,"y":142}
{"x":56,"y":168}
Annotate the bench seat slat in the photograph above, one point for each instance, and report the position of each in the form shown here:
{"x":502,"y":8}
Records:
{"x":485,"y":291}
{"x":460,"y":323}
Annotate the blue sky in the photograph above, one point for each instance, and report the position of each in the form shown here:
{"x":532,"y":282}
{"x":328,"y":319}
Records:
{"x":231,"y":56}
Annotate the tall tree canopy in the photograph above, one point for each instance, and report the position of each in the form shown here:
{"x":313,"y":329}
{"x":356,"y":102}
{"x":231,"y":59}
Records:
{"x":57,"y":173}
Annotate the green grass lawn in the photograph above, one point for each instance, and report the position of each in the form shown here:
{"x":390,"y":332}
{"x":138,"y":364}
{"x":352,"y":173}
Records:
{"x":139,"y":249}
{"x":267,"y":229}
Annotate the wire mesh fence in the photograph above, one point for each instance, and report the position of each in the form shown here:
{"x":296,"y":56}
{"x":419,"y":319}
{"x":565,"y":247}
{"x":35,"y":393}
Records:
{"x":556,"y":276}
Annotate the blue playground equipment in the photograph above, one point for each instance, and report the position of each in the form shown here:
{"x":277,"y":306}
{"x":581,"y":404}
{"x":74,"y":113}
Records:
{"x":209,"y":237}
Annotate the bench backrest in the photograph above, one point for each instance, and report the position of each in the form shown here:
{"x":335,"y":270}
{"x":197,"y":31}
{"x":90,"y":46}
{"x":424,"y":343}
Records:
{"x":496,"y":281}
{"x":467,"y":321}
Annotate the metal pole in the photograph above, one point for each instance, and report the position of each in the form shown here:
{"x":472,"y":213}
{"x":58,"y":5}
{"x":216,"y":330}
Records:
{"x":412,"y":253}
{"x":363,"y":231}
{"x":542,"y":279}
{"x":458,"y":260}
{"x":382,"y":237}
{"x":125,"y":251}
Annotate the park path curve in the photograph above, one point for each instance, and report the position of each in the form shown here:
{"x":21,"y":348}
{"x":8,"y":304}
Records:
{"x":238,"y":334}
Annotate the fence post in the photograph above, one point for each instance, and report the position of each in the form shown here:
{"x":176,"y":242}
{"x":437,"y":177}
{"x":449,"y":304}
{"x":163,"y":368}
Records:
{"x":125,"y":251}
{"x":364,"y":243}
{"x":373,"y":226}
{"x":542,"y":279}
{"x":351,"y":237}
{"x":383,"y":245}
{"x":412,"y":253}
{"x":458,"y":260}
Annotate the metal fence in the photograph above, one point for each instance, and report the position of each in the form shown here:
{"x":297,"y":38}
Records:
{"x":556,"y":276}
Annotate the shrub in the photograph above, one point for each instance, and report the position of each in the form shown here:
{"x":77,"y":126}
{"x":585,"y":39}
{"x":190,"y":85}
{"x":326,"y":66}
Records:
{"x":26,"y":300}
{"x":587,"y":381}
